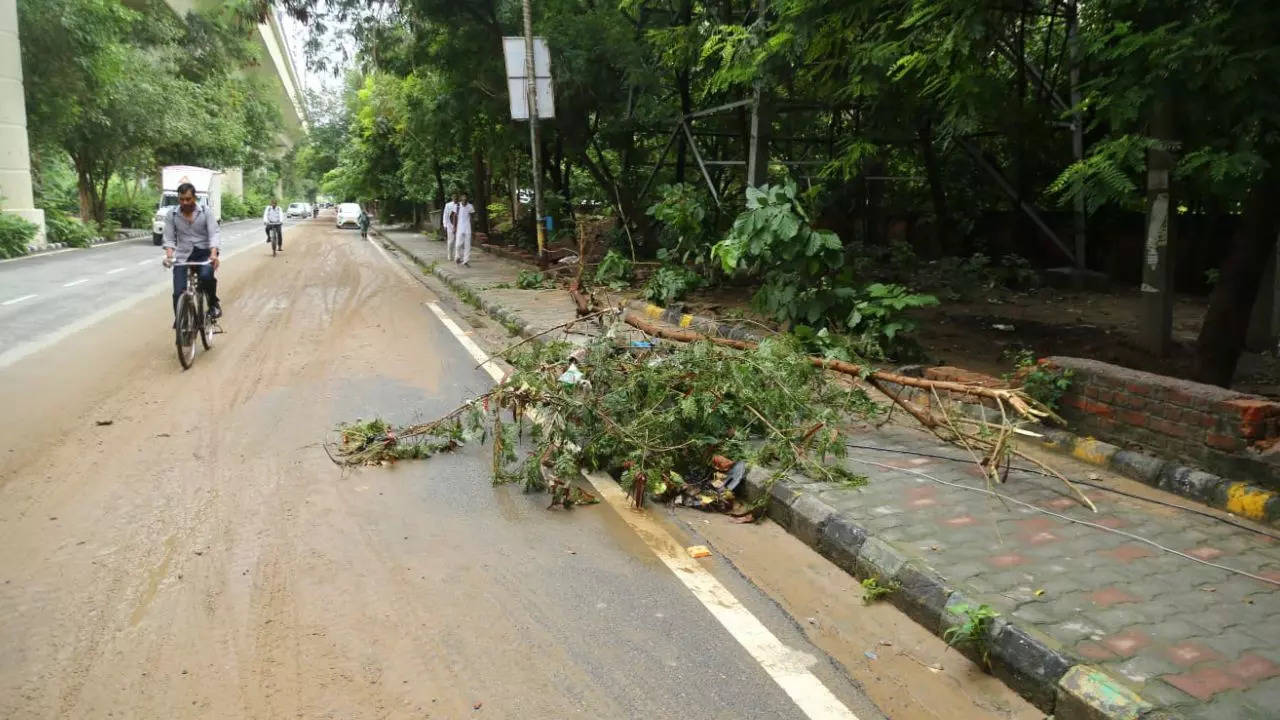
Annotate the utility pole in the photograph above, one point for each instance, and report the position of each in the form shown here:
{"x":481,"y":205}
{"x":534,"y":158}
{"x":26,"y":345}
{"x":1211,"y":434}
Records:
{"x":531,"y":94}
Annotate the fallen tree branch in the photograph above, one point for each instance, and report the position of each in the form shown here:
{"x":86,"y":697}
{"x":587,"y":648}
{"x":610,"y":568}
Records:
{"x":1019,"y":401}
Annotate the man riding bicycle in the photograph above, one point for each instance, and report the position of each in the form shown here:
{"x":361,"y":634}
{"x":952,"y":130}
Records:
{"x":273,"y":218}
{"x":191,"y":235}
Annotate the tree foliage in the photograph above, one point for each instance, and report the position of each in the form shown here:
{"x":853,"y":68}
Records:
{"x":126,"y":88}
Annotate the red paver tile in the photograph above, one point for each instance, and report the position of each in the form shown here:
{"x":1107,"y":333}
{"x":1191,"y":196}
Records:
{"x":1007,"y":560}
{"x":1093,"y":651}
{"x":1205,"y":553}
{"x":1128,"y":553}
{"x":1251,"y":668}
{"x":1191,"y":653}
{"x":921,"y":492}
{"x":922,"y":503}
{"x":1042,"y":538}
{"x":1127,"y":643}
{"x":1106,"y":597}
{"x":1061,"y":503}
{"x":961,"y":521}
{"x":1270,"y":575}
{"x":1110,"y":521}
{"x":1204,"y":682}
{"x":1037,"y":524}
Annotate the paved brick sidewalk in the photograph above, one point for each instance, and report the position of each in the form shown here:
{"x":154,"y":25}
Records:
{"x":1084,"y":613}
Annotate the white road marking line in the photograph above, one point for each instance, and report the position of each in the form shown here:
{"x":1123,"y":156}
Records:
{"x":472,"y":348}
{"x":17,"y":300}
{"x":113,"y":272}
{"x":75,"y":282}
{"x":787,"y":667}
{"x":147,"y":262}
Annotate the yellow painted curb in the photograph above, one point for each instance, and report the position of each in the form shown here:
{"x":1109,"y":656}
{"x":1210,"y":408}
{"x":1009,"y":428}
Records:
{"x":1247,"y":501}
{"x":1089,"y":451}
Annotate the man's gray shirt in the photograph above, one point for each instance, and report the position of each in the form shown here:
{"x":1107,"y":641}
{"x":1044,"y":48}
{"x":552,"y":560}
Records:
{"x":201,"y":231}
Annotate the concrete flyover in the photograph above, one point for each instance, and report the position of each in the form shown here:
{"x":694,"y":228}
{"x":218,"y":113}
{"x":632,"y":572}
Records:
{"x":274,"y":65}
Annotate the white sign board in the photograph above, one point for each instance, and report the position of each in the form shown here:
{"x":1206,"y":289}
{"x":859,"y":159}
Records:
{"x":513,"y":55}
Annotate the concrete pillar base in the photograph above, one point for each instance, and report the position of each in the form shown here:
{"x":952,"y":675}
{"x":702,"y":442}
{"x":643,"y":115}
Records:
{"x":32,"y":215}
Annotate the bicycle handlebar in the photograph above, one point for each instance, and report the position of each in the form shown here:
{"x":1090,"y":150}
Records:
{"x":191,"y":264}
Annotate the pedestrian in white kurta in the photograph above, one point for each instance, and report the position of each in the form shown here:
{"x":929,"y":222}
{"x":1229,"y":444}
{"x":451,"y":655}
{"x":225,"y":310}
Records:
{"x":464,"y":212}
{"x":449,"y":220}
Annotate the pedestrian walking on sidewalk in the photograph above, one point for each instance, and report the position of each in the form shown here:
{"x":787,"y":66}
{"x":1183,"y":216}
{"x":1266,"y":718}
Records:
{"x":464,"y":212}
{"x":449,"y":219}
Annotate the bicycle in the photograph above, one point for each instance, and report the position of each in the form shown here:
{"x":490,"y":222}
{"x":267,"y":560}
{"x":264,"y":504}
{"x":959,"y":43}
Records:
{"x":274,"y":233}
{"x":191,"y":318}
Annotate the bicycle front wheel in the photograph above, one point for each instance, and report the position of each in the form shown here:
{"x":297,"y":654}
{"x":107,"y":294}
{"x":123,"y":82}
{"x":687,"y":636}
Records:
{"x":204,"y":323}
{"x":187,"y":328}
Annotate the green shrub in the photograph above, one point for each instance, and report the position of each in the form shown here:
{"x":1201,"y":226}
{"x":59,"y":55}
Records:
{"x":532,"y":280}
{"x":806,"y":280}
{"x":234,"y":207}
{"x":671,"y":283}
{"x":16,"y":235}
{"x":64,"y":228}
{"x":135,"y":213}
{"x":614,"y":270}
{"x":1040,"y":380}
{"x":684,"y":233}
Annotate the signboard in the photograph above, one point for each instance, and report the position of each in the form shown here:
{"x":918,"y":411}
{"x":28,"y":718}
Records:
{"x":513,"y":55}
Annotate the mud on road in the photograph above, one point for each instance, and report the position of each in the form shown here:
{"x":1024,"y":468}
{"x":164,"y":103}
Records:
{"x":200,"y":556}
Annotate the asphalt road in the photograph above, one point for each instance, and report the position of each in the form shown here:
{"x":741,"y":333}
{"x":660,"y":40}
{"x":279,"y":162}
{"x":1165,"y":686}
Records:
{"x":43,"y":296}
{"x":178,"y":545}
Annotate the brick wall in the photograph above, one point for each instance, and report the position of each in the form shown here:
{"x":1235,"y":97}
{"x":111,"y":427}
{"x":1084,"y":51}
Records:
{"x":1225,"y":432}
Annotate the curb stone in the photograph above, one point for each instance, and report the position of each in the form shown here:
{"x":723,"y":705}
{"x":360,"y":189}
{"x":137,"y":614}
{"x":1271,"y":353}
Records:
{"x":706,"y":326}
{"x":1238,"y":498}
{"x":1032,"y":664}
{"x":1028,"y":662}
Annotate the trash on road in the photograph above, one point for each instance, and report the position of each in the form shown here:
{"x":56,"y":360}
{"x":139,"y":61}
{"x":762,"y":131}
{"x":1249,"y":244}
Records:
{"x":698,"y":551}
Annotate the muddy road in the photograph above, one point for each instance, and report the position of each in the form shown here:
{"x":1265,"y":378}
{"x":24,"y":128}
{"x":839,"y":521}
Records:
{"x":178,"y":545}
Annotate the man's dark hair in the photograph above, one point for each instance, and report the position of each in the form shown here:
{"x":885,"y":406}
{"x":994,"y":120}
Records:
{"x":186,"y":188}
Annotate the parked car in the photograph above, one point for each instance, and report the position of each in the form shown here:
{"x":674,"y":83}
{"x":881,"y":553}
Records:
{"x":301,"y":210}
{"x":348,"y":215}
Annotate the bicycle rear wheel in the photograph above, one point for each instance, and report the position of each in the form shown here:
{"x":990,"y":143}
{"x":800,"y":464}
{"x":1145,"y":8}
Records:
{"x":185,"y":334}
{"x":275,"y":241}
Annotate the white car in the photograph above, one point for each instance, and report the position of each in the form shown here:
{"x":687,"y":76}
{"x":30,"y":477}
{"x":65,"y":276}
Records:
{"x":300,"y":210}
{"x":348,"y":214}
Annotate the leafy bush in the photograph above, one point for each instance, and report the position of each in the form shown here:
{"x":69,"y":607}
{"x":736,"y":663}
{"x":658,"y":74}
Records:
{"x":1040,"y":380}
{"x":15,"y":235}
{"x":234,"y":207}
{"x":532,"y":280}
{"x":684,"y":233}
{"x":806,"y":281}
{"x":878,"y":322}
{"x":130,"y":212}
{"x":671,"y":283}
{"x":614,"y":270}
{"x":64,"y":228}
